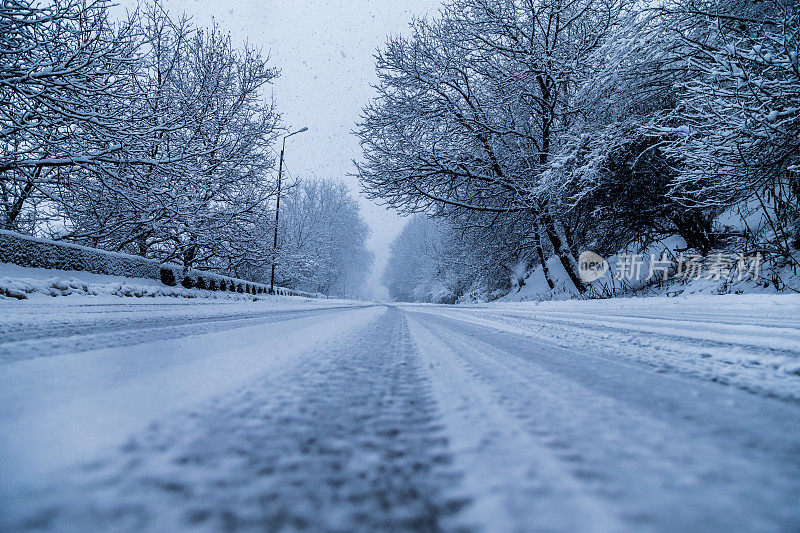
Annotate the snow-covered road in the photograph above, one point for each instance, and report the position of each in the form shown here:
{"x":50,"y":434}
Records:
{"x":324,"y":416}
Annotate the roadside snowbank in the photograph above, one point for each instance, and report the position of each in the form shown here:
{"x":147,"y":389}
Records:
{"x":751,"y":341}
{"x":22,"y":283}
{"x":653,"y":271}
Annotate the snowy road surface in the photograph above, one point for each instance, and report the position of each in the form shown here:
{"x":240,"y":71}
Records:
{"x":228,"y":416}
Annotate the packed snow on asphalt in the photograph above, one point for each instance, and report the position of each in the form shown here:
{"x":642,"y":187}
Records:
{"x":631,"y":415}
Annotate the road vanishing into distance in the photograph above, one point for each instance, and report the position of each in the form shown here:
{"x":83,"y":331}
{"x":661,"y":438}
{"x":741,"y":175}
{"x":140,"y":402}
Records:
{"x":337,"y":416}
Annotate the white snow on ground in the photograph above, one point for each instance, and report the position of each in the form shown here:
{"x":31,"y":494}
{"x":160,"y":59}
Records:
{"x":19,"y":282}
{"x":31,"y":329}
{"x":166,"y":415}
{"x":748,"y":341}
{"x":637,"y":276}
{"x":606,"y":443}
{"x":90,"y":400}
{"x":537,"y":289}
{"x":510,"y":476}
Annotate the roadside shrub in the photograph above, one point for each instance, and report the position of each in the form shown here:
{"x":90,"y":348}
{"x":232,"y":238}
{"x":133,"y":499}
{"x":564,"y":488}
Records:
{"x":200,"y":283}
{"x":168,"y":277}
{"x":28,"y":251}
{"x":187,"y":282}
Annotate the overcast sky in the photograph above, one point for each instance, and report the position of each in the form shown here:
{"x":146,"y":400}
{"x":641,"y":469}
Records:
{"x":324,"y":49}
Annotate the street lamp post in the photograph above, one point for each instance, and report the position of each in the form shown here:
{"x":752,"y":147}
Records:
{"x":278,"y":207}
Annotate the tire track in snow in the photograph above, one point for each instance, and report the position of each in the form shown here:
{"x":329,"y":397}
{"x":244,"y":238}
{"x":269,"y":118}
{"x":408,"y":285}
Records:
{"x":784,"y":339}
{"x":349,"y":440}
{"x":27,"y":341}
{"x":660,"y":452}
{"x":516,"y":483}
{"x":49,"y":322}
{"x":750,"y":366}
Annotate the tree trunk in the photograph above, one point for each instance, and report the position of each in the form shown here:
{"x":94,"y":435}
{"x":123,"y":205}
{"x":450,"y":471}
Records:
{"x":562,"y":252}
{"x":188,"y":257}
{"x":570,"y":243}
{"x":141,"y":243}
{"x":16,"y":208}
{"x":542,"y":260}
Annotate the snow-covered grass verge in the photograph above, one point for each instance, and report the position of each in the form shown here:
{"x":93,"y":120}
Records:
{"x":22,"y":283}
{"x":23,"y":288}
{"x":751,"y":341}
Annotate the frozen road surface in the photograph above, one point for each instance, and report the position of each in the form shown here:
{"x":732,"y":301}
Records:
{"x":341,"y":417}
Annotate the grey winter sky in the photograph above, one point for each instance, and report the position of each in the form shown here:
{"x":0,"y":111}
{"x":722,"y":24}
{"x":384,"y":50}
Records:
{"x":324,"y":49}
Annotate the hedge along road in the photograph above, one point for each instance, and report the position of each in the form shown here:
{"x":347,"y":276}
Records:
{"x":379,"y":418}
{"x":28,"y":251}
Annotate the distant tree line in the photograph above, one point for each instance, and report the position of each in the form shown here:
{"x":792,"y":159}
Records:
{"x":323,"y":240}
{"x":144,"y":135}
{"x":431,"y":260}
{"x":554,"y":126}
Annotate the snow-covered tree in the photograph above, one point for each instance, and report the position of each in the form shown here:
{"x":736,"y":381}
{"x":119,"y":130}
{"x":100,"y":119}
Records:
{"x":433,"y":260}
{"x":677,"y":125}
{"x":322,"y":245}
{"x":471,"y":108}
{"x":63,"y":98}
{"x":737,"y":125}
{"x":208,"y":176}
{"x":123,"y":206}
{"x":414,"y":271}
{"x":593,"y":125}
